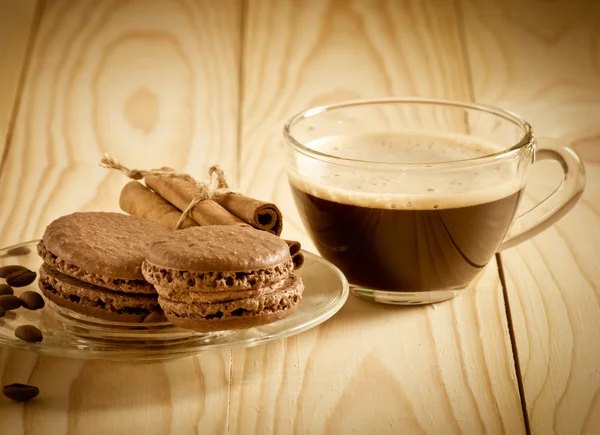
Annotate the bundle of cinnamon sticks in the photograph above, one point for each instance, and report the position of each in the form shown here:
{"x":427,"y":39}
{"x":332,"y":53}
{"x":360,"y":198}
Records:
{"x":163,"y":200}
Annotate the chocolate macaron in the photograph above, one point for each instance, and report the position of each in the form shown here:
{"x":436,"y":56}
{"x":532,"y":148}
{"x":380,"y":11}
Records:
{"x":222,"y":277}
{"x":92,"y":265}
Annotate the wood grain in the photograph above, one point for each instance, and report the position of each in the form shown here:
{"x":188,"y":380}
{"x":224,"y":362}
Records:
{"x":371,"y":369}
{"x":153,"y":83}
{"x":16,"y":25}
{"x":540,"y":59}
{"x":185,"y":397}
{"x":376,"y":369}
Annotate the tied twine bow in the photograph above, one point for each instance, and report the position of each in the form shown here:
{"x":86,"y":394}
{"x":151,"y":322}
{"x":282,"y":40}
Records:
{"x":216,"y":186}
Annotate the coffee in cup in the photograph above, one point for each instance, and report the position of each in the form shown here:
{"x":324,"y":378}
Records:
{"x":436,"y":235}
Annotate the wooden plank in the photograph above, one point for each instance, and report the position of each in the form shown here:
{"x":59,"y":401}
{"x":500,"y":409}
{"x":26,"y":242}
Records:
{"x":371,"y":369}
{"x":540,"y":60}
{"x":16,"y":21}
{"x":153,"y":83}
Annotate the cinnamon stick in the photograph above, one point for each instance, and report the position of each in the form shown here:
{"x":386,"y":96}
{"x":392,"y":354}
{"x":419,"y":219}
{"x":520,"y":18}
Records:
{"x":297,"y":255}
{"x":138,"y":200}
{"x":260,"y":214}
{"x":298,"y":260}
{"x":180,"y":193}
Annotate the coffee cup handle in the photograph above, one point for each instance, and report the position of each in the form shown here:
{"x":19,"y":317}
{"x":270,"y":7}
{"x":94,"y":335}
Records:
{"x":559,"y":202}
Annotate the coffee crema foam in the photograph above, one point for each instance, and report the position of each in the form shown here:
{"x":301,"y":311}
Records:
{"x":413,"y":189}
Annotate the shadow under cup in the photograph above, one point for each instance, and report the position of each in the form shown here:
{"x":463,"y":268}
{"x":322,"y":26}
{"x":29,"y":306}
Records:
{"x":411,"y":199}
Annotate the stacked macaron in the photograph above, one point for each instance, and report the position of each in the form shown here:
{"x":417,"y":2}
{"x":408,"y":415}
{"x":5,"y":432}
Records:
{"x":92,"y":265}
{"x":221,"y":277}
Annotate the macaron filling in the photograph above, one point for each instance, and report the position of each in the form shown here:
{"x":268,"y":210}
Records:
{"x":269,"y":303}
{"x":66,"y":291}
{"x":210,"y":296}
{"x":193,"y":281}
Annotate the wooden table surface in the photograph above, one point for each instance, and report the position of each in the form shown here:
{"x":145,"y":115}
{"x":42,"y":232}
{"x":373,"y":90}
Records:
{"x":189,"y":83}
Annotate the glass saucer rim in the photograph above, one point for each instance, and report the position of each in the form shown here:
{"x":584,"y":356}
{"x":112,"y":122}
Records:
{"x":194,"y":349}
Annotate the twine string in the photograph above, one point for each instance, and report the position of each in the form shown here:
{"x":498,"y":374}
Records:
{"x":217,"y":184}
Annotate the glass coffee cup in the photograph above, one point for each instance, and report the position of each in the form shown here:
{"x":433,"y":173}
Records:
{"x":411,"y":198}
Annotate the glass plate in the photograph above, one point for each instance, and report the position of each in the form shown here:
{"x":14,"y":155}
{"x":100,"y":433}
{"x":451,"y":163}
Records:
{"x":70,"y":334}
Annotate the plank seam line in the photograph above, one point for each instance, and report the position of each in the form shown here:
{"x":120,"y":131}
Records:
{"x":229,"y":392}
{"x":33,"y":32}
{"x":465,"y":49}
{"x":240,"y":111}
{"x":238,"y":165}
{"x":513,"y":344}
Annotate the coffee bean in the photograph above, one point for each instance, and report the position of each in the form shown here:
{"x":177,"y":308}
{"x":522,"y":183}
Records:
{"x":10,"y":302}
{"x":29,"y":333}
{"x":7,"y":270}
{"x":32,"y":300}
{"x":20,"y":392}
{"x":2,"y":312}
{"x":5,"y":289}
{"x":21,"y":278}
